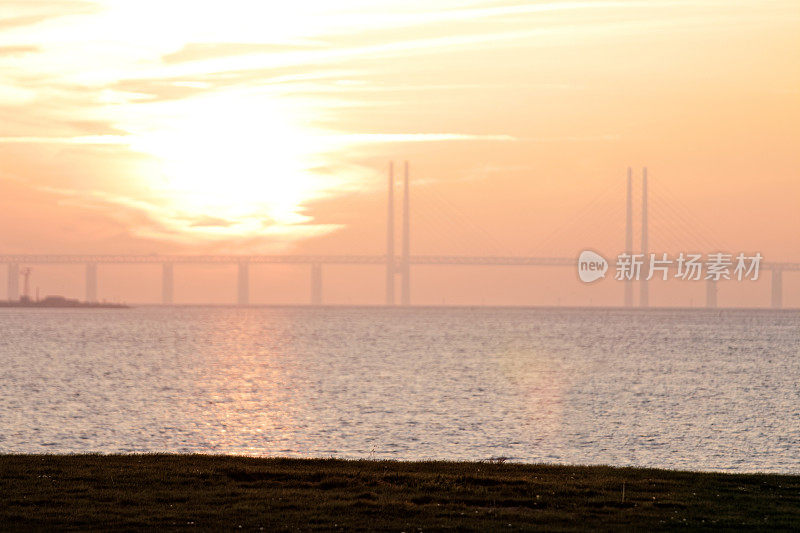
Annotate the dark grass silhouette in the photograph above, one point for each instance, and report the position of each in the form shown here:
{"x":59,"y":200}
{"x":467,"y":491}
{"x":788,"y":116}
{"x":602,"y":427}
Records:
{"x":213,"y":492}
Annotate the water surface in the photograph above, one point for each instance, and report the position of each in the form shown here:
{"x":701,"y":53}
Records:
{"x":703,"y":390}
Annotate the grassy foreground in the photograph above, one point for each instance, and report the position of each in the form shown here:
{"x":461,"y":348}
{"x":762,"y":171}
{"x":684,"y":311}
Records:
{"x":213,"y":492}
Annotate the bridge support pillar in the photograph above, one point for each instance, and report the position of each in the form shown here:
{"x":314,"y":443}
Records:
{"x":777,"y":288}
{"x":316,"y":284}
{"x":13,"y":282}
{"x":711,"y":294}
{"x":91,"y":282}
{"x":243,"y":285}
{"x":167,"y":284}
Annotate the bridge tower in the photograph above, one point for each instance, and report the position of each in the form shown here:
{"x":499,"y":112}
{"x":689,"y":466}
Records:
{"x":390,"y":269}
{"x":644,"y":297}
{"x":404,"y":268}
{"x":629,"y":236}
{"x":405,"y":293}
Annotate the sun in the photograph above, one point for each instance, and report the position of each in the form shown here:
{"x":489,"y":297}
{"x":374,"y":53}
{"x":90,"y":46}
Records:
{"x":234,"y":155}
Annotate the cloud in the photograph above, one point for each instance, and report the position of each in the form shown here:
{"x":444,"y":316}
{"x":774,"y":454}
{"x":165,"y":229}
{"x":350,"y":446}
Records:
{"x":159,"y":89}
{"x":84,"y":139}
{"x":16,"y":22}
{"x":202,"y":51}
{"x":208,"y":221}
{"x":363,"y":138}
{"x":18,"y":50}
{"x":151,"y":217}
{"x":42,"y":10}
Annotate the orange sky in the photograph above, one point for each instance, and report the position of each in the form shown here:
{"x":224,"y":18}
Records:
{"x":256,"y":127}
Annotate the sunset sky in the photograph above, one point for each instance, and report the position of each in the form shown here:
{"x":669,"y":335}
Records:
{"x":267,"y":127}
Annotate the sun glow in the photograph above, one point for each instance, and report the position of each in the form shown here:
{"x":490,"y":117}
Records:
{"x":233,"y":155}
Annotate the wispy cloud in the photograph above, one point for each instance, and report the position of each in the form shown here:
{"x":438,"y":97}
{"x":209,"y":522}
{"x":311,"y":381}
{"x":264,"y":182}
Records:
{"x":362,"y":138}
{"x":84,"y":139}
{"x":205,"y":51}
{"x":26,"y":13}
{"x":18,"y":50}
{"x":157,"y":219}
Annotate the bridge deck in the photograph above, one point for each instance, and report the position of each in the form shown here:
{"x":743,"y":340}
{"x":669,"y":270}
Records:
{"x":316,"y":259}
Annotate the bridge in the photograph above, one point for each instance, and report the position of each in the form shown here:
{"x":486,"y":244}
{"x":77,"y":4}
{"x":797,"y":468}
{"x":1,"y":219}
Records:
{"x":395,"y":264}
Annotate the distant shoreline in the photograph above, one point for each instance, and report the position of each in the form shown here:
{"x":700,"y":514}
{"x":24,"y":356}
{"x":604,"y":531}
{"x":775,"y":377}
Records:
{"x":61,"y":305}
{"x":217,"y":491}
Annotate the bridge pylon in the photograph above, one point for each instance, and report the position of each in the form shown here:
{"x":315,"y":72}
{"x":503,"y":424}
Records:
{"x":404,"y":267}
{"x":629,"y":236}
{"x":405,"y":292}
{"x":390,"y":269}
{"x":644,"y":294}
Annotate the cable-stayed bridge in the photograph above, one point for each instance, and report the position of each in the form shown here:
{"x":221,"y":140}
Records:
{"x":394,"y":263}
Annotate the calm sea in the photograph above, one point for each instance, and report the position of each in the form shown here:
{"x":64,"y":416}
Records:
{"x":700,"y":390}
